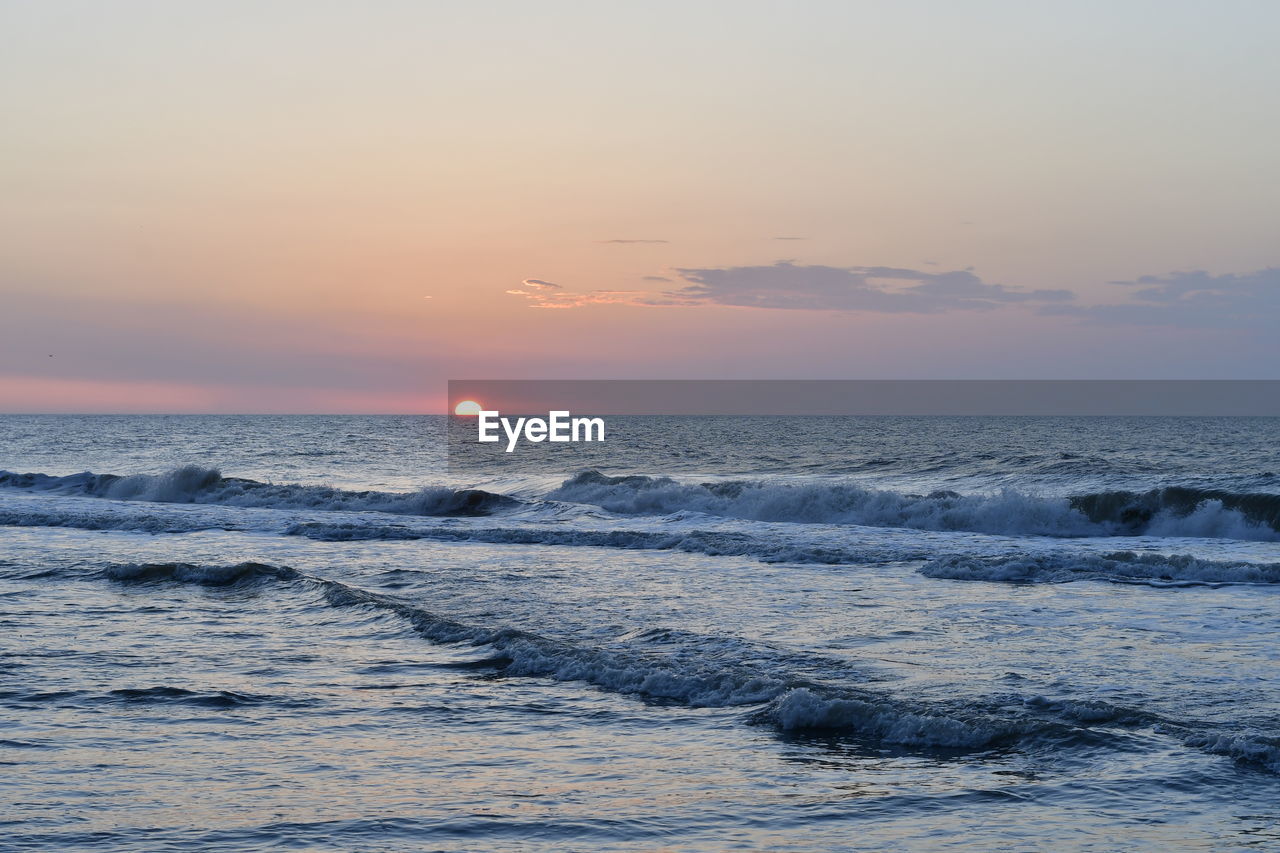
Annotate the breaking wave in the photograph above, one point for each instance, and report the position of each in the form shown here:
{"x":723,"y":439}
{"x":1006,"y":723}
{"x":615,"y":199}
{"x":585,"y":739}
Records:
{"x":1165,"y":512}
{"x":1169,"y":512}
{"x":1181,"y":511}
{"x":192,"y":484}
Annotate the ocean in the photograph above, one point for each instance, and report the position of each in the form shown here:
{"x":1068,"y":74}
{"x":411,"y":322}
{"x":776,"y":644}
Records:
{"x":705,"y":633}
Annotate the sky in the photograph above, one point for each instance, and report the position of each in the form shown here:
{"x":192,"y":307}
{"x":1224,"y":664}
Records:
{"x":338,"y":206}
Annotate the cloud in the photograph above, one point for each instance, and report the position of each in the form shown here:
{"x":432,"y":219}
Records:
{"x":654,"y":278}
{"x":540,"y":284}
{"x":1191,"y":300}
{"x":637,"y":298}
{"x":633,"y":241}
{"x":788,"y":286}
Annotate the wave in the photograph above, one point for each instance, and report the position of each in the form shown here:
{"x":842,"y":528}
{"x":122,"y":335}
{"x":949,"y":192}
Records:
{"x":774,"y":697}
{"x":162,"y":694}
{"x":1247,"y":748}
{"x":713,"y":543}
{"x":772,"y":546}
{"x":197,"y":574}
{"x":782,"y":701}
{"x":1183,"y":511}
{"x":81,"y":520}
{"x":1166,"y":512}
{"x":1170,"y":512}
{"x":1117,"y":567}
{"x":888,"y":722}
{"x":769,"y":548}
{"x":192,"y":484}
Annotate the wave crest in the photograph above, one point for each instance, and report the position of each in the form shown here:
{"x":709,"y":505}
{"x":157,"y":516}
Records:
{"x":193,"y":484}
{"x":802,"y":709}
{"x":1169,"y":512}
{"x":197,"y":574}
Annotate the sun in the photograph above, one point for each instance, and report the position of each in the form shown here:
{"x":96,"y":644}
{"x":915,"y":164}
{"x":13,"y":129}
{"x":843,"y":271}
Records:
{"x":467,"y":407}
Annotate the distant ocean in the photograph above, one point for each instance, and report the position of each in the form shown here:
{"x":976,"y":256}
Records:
{"x":706,"y":633}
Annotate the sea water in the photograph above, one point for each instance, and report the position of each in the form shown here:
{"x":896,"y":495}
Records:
{"x":794,"y":633}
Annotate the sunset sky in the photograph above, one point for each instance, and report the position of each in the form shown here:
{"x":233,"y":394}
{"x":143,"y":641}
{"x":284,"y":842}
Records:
{"x":337,"y":206}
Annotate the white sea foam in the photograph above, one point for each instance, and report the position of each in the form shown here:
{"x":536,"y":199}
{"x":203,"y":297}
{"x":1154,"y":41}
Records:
{"x":1259,"y":750}
{"x":1165,"y":513}
{"x":831,"y":503}
{"x":1211,"y":519}
{"x":802,"y":708}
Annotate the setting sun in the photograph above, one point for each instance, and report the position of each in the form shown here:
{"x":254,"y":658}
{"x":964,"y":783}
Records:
{"x":467,"y":407}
